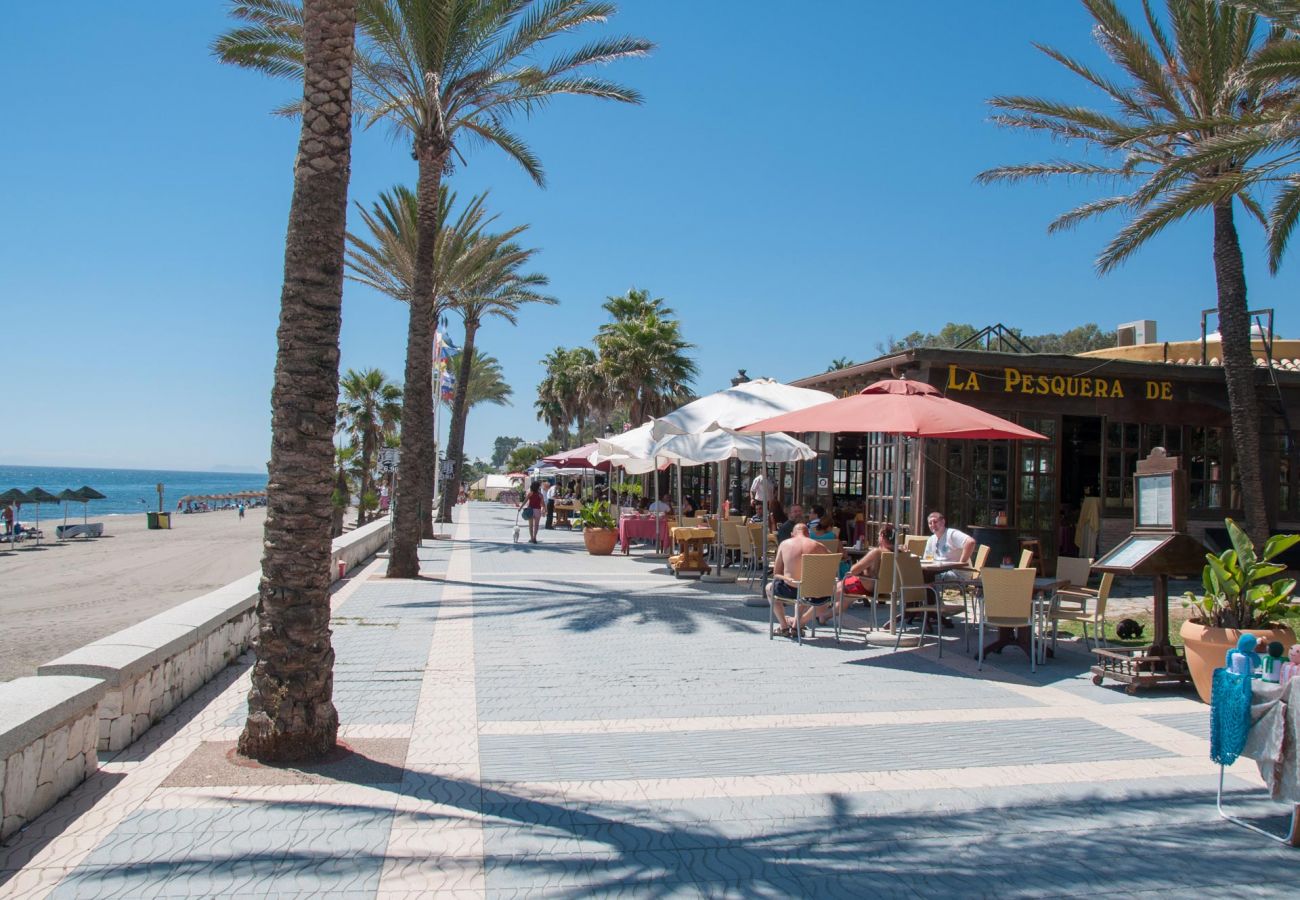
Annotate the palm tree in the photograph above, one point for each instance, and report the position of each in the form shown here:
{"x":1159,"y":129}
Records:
{"x":341,"y":498}
{"x":291,"y":714}
{"x":553,"y":393}
{"x":645,"y":364}
{"x":634,"y":304}
{"x":486,"y":382}
{"x":1181,"y":88}
{"x":499,"y":290}
{"x":444,"y":73}
{"x":386,"y":262}
{"x":369,"y":409}
{"x":840,"y":362}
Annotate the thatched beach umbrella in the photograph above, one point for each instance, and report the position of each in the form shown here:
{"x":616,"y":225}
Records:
{"x":87,"y":493}
{"x":39,"y":495}
{"x":66,"y":496}
{"x":16,"y":499}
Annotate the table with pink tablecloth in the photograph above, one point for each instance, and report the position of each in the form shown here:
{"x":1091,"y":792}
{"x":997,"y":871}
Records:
{"x":653,"y":528}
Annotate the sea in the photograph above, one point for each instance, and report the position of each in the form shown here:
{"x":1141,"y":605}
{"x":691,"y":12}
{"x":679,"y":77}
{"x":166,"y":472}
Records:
{"x":129,"y":491}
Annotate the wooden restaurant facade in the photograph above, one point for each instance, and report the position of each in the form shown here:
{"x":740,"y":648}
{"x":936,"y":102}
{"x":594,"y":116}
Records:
{"x":1101,"y":413}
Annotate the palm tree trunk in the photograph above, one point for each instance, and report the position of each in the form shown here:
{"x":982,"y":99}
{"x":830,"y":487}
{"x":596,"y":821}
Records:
{"x":1239,"y":370}
{"x":367,"y":463}
{"x":415,"y":470}
{"x":459,"y":412}
{"x":291,"y":714}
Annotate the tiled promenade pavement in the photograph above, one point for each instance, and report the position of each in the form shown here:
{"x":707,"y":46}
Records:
{"x":530,"y":720}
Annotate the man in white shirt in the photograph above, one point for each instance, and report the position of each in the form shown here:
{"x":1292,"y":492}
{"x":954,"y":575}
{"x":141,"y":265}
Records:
{"x":661,"y":505}
{"x":549,"y":496}
{"x":947,"y":544}
{"x":760,"y":489}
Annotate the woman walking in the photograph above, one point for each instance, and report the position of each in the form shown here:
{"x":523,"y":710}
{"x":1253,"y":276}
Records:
{"x":533,"y":505}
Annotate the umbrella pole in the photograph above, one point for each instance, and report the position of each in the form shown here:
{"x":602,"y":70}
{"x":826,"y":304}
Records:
{"x":679,"y":493}
{"x":898,"y":490}
{"x":660,"y":550}
{"x":767,"y":492}
{"x":717,"y":575}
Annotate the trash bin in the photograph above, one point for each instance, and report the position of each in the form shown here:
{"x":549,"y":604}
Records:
{"x":165,"y":520}
{"x":152,"y":519}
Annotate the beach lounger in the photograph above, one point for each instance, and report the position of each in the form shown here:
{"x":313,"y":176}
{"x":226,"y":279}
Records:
{"x":91,"y":529}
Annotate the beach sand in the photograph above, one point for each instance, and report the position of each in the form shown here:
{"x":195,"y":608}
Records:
{"x":65,"y":595}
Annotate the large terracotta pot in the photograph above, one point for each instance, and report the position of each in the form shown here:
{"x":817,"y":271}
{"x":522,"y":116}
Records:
{"x":1206,"y":647}
{"x":600,"y":541}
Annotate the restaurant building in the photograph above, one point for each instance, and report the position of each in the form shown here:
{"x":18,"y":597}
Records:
{"x":1101,"y":412}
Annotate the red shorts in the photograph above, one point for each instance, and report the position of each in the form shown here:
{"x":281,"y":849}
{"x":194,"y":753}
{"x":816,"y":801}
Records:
{"x":853,"y":585}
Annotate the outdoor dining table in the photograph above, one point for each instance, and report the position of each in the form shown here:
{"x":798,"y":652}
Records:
{"x":562,"y":510}
{"x":694,"y":542}
{"x":1044,"y":588}
{"x":651,"y":527}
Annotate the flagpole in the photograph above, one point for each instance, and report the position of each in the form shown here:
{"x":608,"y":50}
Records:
{"x":437,"y":405}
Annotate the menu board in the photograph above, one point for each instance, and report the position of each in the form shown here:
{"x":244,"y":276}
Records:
{"x":1130,"y":553}
{"x":1155,"y":501}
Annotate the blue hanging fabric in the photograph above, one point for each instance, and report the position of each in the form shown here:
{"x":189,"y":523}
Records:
{"x":1229,"y":716}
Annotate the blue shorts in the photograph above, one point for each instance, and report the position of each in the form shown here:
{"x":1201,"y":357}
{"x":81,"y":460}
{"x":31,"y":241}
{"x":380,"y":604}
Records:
{"x":786,"y":591}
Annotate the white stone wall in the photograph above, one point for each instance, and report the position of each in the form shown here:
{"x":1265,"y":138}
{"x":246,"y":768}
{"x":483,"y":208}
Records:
{"x":46,"y":769}
{"x":131,"y":708}
{"x":105,"y":695}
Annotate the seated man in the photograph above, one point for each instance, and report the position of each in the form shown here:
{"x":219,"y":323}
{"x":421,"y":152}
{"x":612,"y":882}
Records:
{"x":661,"y":505}
{"x":947,"y":544}
{"x":786,"y":528}
{"x":787,"y":570}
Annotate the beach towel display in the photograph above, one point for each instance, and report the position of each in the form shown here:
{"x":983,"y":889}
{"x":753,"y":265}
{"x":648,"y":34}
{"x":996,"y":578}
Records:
{"x":1259,"y":720}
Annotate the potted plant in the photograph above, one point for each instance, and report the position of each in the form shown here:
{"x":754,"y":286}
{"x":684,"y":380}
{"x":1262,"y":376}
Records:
{"x":1244,"y":593}
{"x":599,"y":530}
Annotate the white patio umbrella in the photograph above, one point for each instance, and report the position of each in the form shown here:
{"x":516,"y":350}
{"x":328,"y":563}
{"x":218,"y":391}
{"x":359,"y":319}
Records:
{"x":633,"y":453}
{"x":722,"y":445}
{"x":736,"y":407}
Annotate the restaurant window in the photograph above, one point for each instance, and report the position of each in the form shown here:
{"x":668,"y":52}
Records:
{"x":880,"y":450}
{"x":1206,"y":468}
{"x":1288,"y":449}
{"x":1037,"y":504}
{"x":1121,"y":451}
{"x":847,"y":470}
{"x":977,"y":480}
{"x":1168,"y":436}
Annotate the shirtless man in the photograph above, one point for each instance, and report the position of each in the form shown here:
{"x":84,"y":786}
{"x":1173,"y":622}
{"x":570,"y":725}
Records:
{"x":787,"y":570}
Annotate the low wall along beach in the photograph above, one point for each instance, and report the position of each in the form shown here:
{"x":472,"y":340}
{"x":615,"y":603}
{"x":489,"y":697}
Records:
{"x":103,"y":696}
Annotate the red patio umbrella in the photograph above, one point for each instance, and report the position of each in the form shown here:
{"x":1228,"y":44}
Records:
{"x":901,"y":407}
{"x":575,"y":459}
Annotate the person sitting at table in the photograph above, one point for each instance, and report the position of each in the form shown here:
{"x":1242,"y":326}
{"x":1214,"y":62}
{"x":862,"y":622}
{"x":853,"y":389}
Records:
{"x":787,"y":570}
{"x":661,"y":505}
{"x":820,"y":527}
{"x":786,"y":528}
{"x":861,"y":578}
{"x":688,"y":506}
{"x":947,"y":544}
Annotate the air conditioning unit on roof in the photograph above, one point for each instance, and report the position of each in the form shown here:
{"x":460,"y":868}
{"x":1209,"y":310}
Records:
{"x":1132,"y":333}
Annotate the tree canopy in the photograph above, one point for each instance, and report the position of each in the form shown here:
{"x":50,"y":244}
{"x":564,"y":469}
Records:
{"x":1080,"y":339}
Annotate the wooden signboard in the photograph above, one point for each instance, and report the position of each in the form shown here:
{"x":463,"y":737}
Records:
{"x":1160,"y":547}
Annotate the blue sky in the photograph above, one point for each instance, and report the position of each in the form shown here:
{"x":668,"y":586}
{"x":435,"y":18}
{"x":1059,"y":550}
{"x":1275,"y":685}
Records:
{"x":798,"y":187}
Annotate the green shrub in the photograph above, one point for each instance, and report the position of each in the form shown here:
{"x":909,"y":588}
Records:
{"x":1242,"y":588}
{"x":595,"y":514}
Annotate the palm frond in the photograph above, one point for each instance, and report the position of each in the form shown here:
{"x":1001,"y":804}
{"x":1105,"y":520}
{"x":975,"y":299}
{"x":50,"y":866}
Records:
{"x":1045,"y":170}
{"x":1072,"y":218}
{"x":1282,"y":220}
